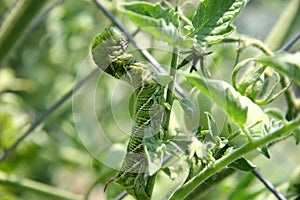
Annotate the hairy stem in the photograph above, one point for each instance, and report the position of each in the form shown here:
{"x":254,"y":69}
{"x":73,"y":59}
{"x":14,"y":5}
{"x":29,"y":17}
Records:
{"x":229,"y":158}
{"x":170,"y":92}
{"x":250,"y":42}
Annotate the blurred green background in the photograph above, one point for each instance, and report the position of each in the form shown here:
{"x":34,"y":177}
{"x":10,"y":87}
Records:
{"x":46,"y":62}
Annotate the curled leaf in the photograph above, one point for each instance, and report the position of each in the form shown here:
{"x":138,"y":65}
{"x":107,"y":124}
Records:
{"x":286,"y":63}
{"x":239,"y":108}
{"x":188,"y":107}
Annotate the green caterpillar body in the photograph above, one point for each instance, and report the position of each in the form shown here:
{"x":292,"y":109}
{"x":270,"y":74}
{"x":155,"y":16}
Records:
{"x":109,"y":54}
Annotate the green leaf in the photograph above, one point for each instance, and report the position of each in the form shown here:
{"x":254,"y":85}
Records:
{"x":264,"y":151}
{"x":242,"y":164}
{"x":250,"y":78}
{"x":153,"y":11}
{"x":160,"y":22}
{"x":286,"y":63}
{"x":221,"y":142}
{"x":275,"y":112}
{"x":167,"y":171}
{"x":229,"y":128}
{"x":213,"y":18}
{"x":188,"y":107}
{"x":212,"y":125}
{"x":239,"y":108}
{"x":235,"y":107}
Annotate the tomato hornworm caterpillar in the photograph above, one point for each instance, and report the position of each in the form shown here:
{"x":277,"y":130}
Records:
{"x":109,"y":54}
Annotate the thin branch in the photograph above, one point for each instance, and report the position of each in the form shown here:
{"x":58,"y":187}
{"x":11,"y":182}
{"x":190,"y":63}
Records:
{"x":290,"y":43}
{"x":268,"y":184}
{"x":42,"y":118}
{"x":121,"y":196}
{"x":144,"y":52}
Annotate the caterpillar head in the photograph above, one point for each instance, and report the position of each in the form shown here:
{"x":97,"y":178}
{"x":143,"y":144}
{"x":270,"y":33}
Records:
{"x":107,"y":46}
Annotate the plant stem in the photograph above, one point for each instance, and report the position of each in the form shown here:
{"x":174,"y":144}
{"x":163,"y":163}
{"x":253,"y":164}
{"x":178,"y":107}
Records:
{"x":250,"y":42}
{"x":17,"y":23}
{"x":26,"y":184}
{"x":229,"y":158}
{"x":170,"y":92}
